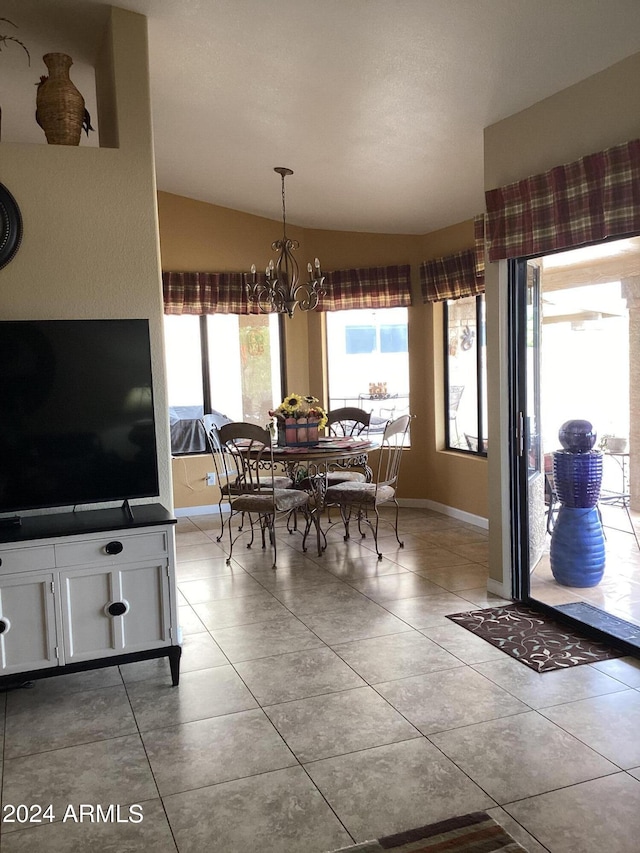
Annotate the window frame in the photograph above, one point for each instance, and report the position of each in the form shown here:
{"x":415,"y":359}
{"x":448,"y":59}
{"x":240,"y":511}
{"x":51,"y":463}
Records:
{"x":481,"y":419}
{"x":357,"y":400}
{"x":207,"y":387}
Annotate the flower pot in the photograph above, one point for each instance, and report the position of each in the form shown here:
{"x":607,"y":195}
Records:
{"x":312,"y":431}
{"x":291,"y":431}
{"x":616,"y":444}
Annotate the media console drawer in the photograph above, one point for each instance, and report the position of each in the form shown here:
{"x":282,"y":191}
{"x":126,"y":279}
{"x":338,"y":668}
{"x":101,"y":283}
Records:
{"x":117,"y":547}
{"x":33,"y":558}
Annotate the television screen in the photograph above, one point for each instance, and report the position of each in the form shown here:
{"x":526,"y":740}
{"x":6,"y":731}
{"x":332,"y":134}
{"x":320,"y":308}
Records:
{"x":76,"y":413}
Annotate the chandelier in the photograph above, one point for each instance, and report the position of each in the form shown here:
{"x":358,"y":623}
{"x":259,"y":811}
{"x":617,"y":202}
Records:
{"x":281,"y":289}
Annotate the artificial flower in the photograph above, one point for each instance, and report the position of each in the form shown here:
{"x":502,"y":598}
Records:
{"x":298,"y":406}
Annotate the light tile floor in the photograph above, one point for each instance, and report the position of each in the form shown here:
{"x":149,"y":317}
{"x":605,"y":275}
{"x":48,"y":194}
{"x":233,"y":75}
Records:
{"x":327,"y":702}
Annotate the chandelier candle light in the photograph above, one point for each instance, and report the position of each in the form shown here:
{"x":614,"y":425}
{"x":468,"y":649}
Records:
{"x":281,"y":291}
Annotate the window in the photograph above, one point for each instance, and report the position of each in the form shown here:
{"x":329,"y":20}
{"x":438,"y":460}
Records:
{"x":359,"y":339}
{"x":368,"y":361}
{"x":222,"y":362}
{"x":465,"y":374}
{"x":394,"y":338}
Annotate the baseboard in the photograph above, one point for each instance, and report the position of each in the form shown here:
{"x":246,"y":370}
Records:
{"x":452,"y":512}
{"x":212,"y":509}
{"x":499,"y":589}
{"x":418,"y":503}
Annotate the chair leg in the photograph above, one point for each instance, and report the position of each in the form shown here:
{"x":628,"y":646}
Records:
{"x":345,"y":512}
{"x":375,"y":533}
{"x":362,"y":517}
{"x":633,"y":530}
{"x":274,"y":541}
{"x":219,"y":538}
{"x":230,"y":539}
{"x":312,"y":518}
{"x":400,"y":542}
{"x":552,"y":503}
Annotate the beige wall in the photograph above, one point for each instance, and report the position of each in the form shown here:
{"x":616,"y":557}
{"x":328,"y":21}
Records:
{"x":195,"y":236}
{"x":90,"y":246}
{"x":596,"y":113}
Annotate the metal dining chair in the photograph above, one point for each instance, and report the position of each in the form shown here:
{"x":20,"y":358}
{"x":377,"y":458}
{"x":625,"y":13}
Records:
{"x":225,"y":468}
{"x":248,"y":454}
{"x":347,"y":422}
{"x":362,"y":500}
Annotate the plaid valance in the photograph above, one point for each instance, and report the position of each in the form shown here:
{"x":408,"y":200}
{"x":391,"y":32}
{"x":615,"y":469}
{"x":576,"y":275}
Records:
{"x":593,"y":199}
{"x":205,"y":293}
{"x":373,"y":287}
{"x":224,"y":293}
{"x":479,"y":240}
{"x":458,"y":275}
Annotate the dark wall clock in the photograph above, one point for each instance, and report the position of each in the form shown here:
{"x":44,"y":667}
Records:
{"x":10,"y":226}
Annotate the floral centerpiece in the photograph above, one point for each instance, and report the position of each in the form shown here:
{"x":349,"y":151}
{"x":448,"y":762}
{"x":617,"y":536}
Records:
{"x":299,"y":419}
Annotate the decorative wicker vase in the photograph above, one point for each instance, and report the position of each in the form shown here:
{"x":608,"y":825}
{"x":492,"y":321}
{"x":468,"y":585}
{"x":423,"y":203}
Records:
{"x":59,"y":105}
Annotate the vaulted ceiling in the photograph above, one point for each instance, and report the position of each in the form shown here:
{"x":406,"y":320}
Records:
{"x":378,"y":106}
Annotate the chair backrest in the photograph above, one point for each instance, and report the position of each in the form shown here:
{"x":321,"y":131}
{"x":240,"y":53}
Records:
{"x":211,"y":423}
{"x":217,"y":452}
{"x":393,"y":439}
{"x":348,"y":421}
{"x":455,"y":392}
{"x":216,"y":419}
{"x":472,"y":441}
{"x":247,"y":452}
{"x":474,"y":444}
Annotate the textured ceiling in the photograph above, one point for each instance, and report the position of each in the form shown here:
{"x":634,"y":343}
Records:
{"x":378,"y":106}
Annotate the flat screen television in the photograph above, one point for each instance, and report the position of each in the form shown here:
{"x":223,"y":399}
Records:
{"x":76,"y":413}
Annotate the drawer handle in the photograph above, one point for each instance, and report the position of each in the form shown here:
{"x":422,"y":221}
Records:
{"x":113,"y":548}
{"x":5,"y":625}
{"x":117,"y":608}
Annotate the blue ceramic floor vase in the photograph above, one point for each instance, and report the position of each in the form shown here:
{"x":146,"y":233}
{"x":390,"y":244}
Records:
{"x":577,"y":547}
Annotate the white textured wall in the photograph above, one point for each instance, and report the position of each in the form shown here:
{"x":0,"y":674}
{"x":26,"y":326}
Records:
{"x":90,"y":247}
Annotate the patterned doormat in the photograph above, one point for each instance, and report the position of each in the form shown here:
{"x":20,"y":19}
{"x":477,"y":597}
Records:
{"x":533,"y":638}
{"x":475,"y":832}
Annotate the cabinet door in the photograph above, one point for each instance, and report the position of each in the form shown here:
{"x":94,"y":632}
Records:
{"x":113,"y":611}
{"x":27,"y":622}
{"x":147,"y":622}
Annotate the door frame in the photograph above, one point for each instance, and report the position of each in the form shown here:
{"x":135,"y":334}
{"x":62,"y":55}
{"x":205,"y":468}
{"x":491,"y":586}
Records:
{"x":517,"y":378}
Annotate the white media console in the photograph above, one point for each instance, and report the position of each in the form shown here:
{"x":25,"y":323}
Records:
{"x":81,"y":590}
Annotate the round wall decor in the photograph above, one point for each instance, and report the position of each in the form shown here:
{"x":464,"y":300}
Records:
{"x":10,"y":226}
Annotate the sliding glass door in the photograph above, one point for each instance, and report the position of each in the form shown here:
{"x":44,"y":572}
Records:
{"x":574,"y":338}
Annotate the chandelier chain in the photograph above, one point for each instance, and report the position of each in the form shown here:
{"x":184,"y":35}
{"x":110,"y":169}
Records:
{"x":284,"y":212}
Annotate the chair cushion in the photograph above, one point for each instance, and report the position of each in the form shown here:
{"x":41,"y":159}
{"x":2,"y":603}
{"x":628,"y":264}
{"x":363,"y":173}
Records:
{"x":368,"y":494}
{"x":265,"y":482}
{"x":335,"y":477}
{"x":284,"y":499}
